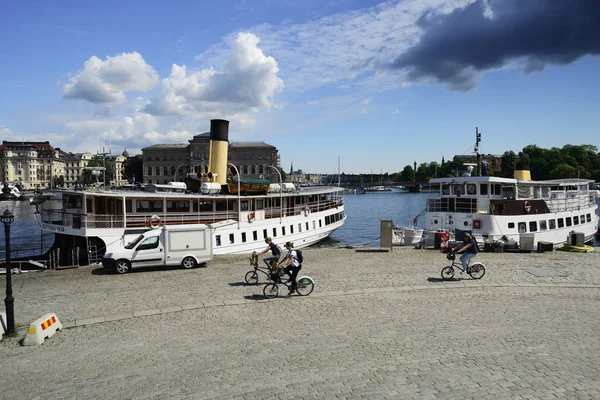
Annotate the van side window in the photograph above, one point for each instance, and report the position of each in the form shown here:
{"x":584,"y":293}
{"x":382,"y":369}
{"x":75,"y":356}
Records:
{"x":149,"y":243}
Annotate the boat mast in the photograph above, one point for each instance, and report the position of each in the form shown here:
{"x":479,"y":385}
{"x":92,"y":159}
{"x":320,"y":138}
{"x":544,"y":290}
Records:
{"x":477,"y":140}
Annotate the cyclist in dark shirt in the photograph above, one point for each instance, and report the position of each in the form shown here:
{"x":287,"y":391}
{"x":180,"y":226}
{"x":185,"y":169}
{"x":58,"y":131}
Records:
{"x":273,"y":259}
{"x":470,"y":250}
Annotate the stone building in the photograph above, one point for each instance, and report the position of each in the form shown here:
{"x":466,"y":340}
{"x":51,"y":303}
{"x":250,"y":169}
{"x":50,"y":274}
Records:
{"x":164,"y":163}
{"x":38,"y":165}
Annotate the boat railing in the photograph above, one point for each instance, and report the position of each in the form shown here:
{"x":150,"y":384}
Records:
{"x":452,"y":204}
{"x":108,"y":221}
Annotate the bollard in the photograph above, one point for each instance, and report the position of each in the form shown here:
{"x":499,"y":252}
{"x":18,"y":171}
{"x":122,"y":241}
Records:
{"x":42,"y":328}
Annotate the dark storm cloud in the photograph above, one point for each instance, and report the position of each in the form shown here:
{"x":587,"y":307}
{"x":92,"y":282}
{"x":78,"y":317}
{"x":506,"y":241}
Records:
{"x":455,"y":47}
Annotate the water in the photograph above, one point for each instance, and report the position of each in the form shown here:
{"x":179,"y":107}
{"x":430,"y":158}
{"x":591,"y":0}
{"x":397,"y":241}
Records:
{"x":364,"y":212}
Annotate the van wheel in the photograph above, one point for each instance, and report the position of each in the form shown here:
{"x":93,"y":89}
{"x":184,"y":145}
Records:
{"x":188,"y":262}
{"x":123,"y":266}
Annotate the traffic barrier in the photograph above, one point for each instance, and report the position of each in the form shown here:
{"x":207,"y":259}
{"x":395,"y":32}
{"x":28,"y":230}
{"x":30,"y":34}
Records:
{"x":2,"y":323}
{"x":42,"y":328}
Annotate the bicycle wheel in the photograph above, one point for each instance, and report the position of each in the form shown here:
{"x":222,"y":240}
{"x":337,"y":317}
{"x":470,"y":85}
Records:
{"x":305,"y":285}
{"x":251,"y":277}
{"x":271,"y":290}
{"x":477,"y":270}
{"x":447,"y":273}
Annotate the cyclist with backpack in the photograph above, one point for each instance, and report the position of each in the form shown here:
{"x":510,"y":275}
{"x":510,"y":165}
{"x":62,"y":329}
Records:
{"x":274,"y":258}
{"x":470,"y":250}
{"x":293,"y":264}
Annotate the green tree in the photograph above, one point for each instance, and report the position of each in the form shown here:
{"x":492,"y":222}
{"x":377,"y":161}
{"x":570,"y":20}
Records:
{"x":133,"y":167}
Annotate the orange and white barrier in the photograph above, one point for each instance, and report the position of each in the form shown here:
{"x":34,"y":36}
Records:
{"x":2,"y":323}
{"x":42,"y":328}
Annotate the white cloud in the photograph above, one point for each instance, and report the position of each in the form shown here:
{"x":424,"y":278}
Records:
{"x":339,"y":49}
{"x":107,"y":81}
{"x":245,"y":83}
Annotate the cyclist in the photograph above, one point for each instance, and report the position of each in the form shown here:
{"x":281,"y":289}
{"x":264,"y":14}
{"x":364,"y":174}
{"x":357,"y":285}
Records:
{"x":470,"y":250}
{"x":274,"y":258}
{"x":292,"y":266}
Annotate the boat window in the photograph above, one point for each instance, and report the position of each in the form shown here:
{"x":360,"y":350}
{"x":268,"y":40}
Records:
{"x":588,"y":217}
{"x":260,"y":205}
{"x":522,"y":227}
{"x":128,"y":206}
{"x":496,"y":189}
{"x":320,"y":223}
{"x":445,"y":189}
{"x":552,"y":224}
{"x":582,"y":219}
{"x":532,"y":226}
{"x":243,"y":237}
{"x":471,"y":188}
{"x":264,"y":234}
{"x":149,"y":206}
{"x":561,"y":223}
{"x":508,"y":192}
{"x":307,"y":226}
{"x":543,"y":226}
{"x":299,"y":228}
{"x":254,"y":235}
{"x":483,"y":188}
{"x":576,"y":220}
{"x":314,"y":225}
{"x":244,"y":205}
{"x":274,"y":232}
{"x":224,"y":205}
{"x":149,"y":243}
{"x":202,"y":206}
{"x":283,"y":231}
{"x":511,"y":225}
{"x":458,"y":189}
{"x":291,"y":229}
{"x":568,"y":221}
{"x":231,"y":241}
{"x":178,"y":205}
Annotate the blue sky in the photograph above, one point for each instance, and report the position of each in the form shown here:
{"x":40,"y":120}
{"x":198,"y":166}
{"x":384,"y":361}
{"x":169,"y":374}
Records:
{"x":378,"y":84}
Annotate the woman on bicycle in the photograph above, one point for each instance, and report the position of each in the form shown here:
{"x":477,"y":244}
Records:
{"x":274,"y":258}
{"x":470,"y":249}
{"x":292,"y":266}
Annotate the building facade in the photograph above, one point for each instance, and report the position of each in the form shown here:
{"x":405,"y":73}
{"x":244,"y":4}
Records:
{"x":38,"y":165}
{"x":164,"y":163}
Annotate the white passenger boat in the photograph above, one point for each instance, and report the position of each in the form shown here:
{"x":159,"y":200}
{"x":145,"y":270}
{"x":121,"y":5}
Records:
{"x":520,"y":209}
{"x":90,"y":222}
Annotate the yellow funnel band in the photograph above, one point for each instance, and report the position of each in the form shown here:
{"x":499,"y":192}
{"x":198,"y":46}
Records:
{"x":523,"y":175}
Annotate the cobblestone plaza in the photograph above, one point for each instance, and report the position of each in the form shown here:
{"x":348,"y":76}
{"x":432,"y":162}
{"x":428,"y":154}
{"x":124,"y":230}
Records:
{"x":377,"y":326}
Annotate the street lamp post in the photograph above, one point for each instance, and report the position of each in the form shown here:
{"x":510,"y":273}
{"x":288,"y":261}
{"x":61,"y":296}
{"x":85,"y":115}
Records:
{"x":280,"y":192}
{"x":7,"y":218}
{"x":239,"y":178}
{"x":175,"y":174}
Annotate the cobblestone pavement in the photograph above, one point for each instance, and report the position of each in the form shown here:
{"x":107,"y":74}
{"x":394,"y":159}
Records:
{"x":378,"y":326}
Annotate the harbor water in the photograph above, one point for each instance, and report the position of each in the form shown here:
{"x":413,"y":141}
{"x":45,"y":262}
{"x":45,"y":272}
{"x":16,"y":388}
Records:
{"x":362,"y":227}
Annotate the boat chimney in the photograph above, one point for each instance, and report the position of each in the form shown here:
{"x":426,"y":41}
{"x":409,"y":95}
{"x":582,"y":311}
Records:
{"x":522,"y":172}
{"x":218,"y":147}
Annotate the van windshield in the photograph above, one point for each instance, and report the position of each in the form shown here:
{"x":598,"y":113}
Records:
{"x":135,"y":241}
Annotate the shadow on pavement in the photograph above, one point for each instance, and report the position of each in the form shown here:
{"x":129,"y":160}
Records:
{"x":255,"y":297}
{"x":437,"y":280}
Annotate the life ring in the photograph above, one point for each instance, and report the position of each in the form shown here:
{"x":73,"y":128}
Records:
{"x":527,"y":206}
{"x":306,"y":211}
{"x":251,"y":216}
{"x":154,"y":221}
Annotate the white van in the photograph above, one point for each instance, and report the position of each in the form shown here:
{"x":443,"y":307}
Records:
{"x":185,"y":246}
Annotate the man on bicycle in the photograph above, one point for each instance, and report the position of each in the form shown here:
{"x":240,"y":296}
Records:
{"x":292,"y":266}
{"x":274,"y":258}
{"x":470,"y":250}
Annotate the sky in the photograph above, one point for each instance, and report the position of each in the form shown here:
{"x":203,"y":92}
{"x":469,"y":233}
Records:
{"x":363,"y":85}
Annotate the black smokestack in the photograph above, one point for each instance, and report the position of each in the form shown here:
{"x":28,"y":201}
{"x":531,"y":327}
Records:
{"x":219,"y":130}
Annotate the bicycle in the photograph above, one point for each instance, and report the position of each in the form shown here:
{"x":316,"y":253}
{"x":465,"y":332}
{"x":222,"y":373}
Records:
{"x":252,"y":276}
{"x":475,"y":270}
{"x":304,"y":286}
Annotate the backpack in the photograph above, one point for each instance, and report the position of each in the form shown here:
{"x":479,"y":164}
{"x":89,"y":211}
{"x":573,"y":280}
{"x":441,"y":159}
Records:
{"x":299,"y":256}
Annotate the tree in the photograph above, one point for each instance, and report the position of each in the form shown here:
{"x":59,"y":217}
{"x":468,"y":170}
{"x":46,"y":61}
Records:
{"x":133,"y":168}
{"x":408,"y":174}
{"x":105,"y":176}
